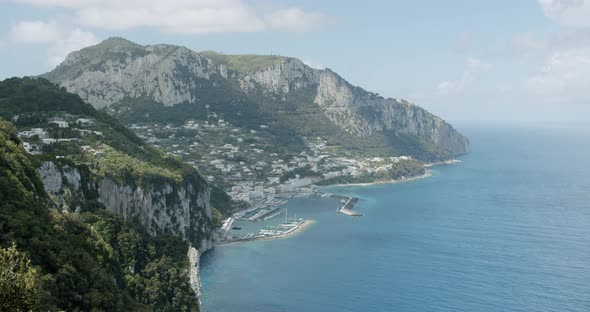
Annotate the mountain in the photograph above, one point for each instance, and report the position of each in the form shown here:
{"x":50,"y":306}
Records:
{"x":95,"y":174}
{"x":166,"y":83}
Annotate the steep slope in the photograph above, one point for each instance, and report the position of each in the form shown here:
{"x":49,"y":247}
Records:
{"x":86,"y":160}
{"x":88,"y":261}
{"x":123,"y":69}
{"x":142,"y":82}
{"x":130,"y":177}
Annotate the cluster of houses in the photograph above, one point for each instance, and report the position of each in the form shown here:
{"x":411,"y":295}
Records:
{"x":243,"y":165}
{"x":34,"y":138}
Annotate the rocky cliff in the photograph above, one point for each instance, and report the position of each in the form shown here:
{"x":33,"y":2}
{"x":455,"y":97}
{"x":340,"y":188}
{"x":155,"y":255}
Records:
{"x":182,"y":209}
{"x":352,"y":108}
{"x":101,"y":164}
{"x":87,"y":261}
{"x":117,"y":69}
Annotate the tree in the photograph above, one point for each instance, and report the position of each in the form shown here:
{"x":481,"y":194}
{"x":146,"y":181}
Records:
{"x":18,"y":289}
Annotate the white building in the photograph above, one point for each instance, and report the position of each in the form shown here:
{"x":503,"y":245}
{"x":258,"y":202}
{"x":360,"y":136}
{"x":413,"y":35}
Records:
{"x":33,"y":132}
{"x":85,"y":121}
{"x":60,"y":123}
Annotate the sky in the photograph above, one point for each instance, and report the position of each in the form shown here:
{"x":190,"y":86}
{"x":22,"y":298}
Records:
{"x":464,"y":60}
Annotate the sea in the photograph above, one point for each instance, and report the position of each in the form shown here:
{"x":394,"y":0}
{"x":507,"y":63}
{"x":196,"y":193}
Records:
{"x":507,"y":229}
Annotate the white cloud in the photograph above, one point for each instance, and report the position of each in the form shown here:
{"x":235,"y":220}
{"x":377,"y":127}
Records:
{"x":458,"y":86}
{"x":565,"y":76}
{"x":294,"y":20}
{"x":34,"y":32}
{"x":183,"y":16}
{"x":478,"y":64}
{"x":572,"y":13}
{"x":448,"y":87}
{"x":58,"y":40}
{"x":72,"y":41}
{"x":564,"y":73}
{"x":173,"y":16}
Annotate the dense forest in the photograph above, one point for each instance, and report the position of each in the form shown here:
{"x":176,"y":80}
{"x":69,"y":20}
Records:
{"x":91,"y":261}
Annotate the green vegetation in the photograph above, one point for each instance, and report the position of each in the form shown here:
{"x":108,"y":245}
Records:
{"x":17,"y":281}
{"x":82,"y":262}
{"x":401,"y":169}
{"x":245,"y":64}
{"x":227,"y":101}
{"x":298,"y":115}
{"x":130,"y":170}
{"x":127,"y":157}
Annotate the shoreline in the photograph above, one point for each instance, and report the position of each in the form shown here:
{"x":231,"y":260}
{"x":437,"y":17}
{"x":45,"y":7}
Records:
{"x":321,"y":190}
{"x":446,"y":162}
{"x":291,"y":233}
{"x":427,"y":174}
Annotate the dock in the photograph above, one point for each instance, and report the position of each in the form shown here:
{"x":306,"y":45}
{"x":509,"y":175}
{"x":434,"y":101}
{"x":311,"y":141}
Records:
{"x":348,"y":206}
{"x":270,"y":214}
{"x":268,"y":234}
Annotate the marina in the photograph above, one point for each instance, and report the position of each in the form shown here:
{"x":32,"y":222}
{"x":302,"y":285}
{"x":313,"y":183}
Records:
{"x":263,"y":210}
{"x":288,"y":226}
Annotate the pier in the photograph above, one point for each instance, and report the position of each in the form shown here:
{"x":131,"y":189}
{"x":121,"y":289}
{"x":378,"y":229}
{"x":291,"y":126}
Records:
{"x":348,"y":206}
{"x":269,"y":234}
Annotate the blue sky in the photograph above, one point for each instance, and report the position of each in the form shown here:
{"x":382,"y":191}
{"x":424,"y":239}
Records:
{"x":500,"y":60}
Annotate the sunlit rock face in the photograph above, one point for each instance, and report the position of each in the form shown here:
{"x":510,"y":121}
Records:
{"x":117,"y":69}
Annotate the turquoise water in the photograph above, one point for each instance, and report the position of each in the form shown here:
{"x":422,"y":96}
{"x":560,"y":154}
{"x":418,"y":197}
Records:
{"x":508,"y":229}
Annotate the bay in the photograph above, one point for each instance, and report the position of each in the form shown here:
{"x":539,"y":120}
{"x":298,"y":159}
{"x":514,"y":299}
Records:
{"x":507,"y":229}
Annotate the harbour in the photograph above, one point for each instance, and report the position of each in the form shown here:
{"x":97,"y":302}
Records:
{"x":270,"y":230}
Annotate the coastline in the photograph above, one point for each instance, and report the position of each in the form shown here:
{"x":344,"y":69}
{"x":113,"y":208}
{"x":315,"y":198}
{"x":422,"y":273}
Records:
{"x":291,"y":233}
{"x":321,"y":190}
{"x":427,"y":174}
{"x":446,"y":162}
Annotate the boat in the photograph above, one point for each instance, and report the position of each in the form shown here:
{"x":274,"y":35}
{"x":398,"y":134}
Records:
{"x":236,"y":228}
{"x":343,"y":201}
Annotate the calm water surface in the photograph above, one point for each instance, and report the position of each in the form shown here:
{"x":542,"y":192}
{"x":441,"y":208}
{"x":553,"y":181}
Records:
{"x":508,"y":229}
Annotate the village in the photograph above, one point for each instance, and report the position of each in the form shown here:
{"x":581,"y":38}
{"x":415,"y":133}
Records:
{"x":57,"y":129}
{"x":243,"y":163}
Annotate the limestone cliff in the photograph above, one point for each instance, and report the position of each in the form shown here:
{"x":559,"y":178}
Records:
{"x":116,"y":69}
{"x":113,"y":169}
{"x":352,"y":108}
{"x":105,"y":74}
{"x":182,"y":209}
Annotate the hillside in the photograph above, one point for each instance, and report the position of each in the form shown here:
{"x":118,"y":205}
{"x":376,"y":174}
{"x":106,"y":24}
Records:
{"x":85,"y":261}
{"x":164,"y":83}
{"x":251,"y":123}
{"x":90,"y":136}
{"x":96,"y":175}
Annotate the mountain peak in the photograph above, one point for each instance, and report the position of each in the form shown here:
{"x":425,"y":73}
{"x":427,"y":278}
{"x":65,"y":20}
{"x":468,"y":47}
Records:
{"x":115,"y":42}
{"x":244,"y":63}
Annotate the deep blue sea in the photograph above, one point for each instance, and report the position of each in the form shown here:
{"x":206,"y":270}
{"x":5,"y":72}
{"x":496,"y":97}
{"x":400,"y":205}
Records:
{"x":508,"y":229}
